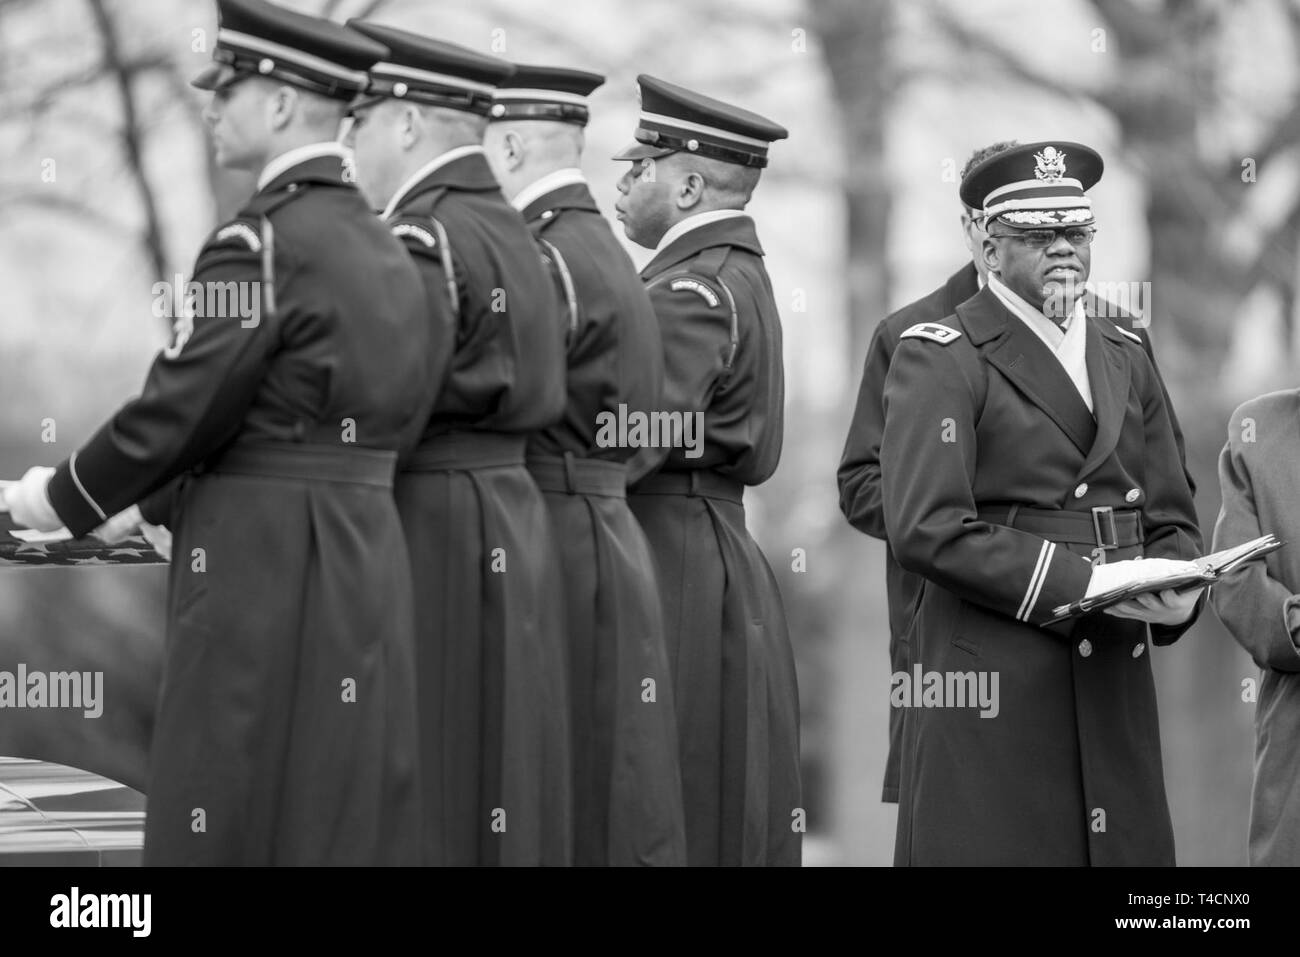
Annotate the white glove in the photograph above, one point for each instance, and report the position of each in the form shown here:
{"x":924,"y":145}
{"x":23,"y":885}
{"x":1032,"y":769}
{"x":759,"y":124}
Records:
{"x":1118,"y":574}
{"x":160,"y":537}
{"x":122,"y":525}
{"x":29,"y":503}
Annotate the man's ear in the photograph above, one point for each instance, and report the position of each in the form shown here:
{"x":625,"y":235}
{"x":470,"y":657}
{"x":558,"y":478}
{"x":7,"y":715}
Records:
{"x":514,"y":144}
{"x":989,"y":254}
{"x":281,"y":106}
{"x":691,"y":192}
{"x":410,"y":127}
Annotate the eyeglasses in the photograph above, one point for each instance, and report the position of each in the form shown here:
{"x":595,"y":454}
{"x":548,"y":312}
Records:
{"x":1076,"y":236}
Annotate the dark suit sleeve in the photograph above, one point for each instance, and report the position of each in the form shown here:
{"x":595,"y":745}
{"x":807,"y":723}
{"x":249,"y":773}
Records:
{"x":158,"y":506}
{"x":928,"y":455}
{"x":442,"y":297}
{"x":696,"y":339}
{"x":859,"y":471}
{"x":193,"y":402}
{"x":1253,"y":604}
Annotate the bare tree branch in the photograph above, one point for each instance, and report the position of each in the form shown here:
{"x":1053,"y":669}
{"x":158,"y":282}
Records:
{"x":67,"y":205}
{"x":131,"y":134}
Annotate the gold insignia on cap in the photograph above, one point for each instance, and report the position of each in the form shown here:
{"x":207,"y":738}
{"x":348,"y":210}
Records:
{"x":400,"y":89}
{"x":1050,"y":164}
{"x":692,"y":145}
{"x":498,"y":109}
{"x":265,"y":65}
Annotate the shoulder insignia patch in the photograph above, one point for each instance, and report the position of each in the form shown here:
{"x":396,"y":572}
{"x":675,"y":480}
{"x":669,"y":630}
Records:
{"x":418,"y":233}
{"x":241,"y":231}
{"x":1132,"y":335}
{"x":700,"y":289}
{"x":932,"y":331}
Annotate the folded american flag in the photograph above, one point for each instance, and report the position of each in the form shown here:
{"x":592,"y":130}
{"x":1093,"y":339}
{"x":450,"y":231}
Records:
{"x":82,"y":552}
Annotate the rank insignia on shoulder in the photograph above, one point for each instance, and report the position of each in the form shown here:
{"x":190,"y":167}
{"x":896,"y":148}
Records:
{"x":932,"y":331}
{"x":418,"y":233}
{"x":700,"y":289}
{"x":241,"y":231}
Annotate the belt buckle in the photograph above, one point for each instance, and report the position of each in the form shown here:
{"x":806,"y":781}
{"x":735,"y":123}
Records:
{"x":1103,"y":520}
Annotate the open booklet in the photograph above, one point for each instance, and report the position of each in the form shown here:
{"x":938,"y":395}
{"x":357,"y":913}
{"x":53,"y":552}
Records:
{"x":1209,"y":569}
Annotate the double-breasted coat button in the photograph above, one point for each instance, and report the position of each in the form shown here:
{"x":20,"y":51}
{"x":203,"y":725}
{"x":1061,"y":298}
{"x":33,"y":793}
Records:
{"x":1132,"y":495}
{"x":1085,"y":648}
{"x":1140,"y":647}
{"x":1082,"y":490}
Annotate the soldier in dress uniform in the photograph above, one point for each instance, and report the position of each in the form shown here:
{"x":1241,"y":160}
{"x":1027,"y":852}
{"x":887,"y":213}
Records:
{"x":1025,"y":440}
{"x":490,"y":652}
{"x":286,"y":727}
{"x":627,"y":782}
{"x":695,"y":164}
{"x":859,"y":469}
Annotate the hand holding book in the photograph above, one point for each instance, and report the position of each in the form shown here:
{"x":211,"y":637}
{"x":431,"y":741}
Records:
{"x":1157,"y":589}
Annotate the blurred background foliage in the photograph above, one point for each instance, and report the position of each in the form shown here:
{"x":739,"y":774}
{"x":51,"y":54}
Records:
{"x":107,"y":186}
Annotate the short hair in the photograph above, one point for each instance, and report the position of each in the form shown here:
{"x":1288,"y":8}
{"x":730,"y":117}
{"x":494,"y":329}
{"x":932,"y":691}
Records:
{"x":732,"y":183}
{"x":979,"y":156}
{"x":460,"y":124}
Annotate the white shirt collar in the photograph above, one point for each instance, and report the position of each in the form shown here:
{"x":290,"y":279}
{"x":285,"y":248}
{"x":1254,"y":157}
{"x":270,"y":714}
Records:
{"x":437,"y":163}
{"x":695,"y":222}
{"x":570,"y":176}
{"x":1068,"y":345}
{"x":1033,"y":317}
{"x":288,"y":160}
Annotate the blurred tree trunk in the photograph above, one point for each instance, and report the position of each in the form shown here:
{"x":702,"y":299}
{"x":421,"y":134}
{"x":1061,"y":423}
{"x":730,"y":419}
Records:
{"x":855,"y":38}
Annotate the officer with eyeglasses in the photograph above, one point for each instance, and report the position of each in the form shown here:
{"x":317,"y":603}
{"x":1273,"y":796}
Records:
{"x":858,"y":474}
{"x":1029,"y":459}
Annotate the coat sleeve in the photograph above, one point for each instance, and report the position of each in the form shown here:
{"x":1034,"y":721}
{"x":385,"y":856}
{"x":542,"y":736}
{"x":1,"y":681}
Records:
{"x":1256,"y":608}
{"x":927,"y":457}
{"x":193,"y":402}
{"x":697,"y":341}
{"x":859,"y":471}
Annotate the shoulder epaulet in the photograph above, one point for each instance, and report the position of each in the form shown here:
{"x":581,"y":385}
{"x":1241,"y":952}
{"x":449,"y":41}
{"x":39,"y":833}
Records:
{"x":237,"y":234}
{"x":1132,"y":335}
{"x":547,"y":218}
{"x":720,"y":296}
{"x":420,"y":234}
{"x":426,"y":235}
{"x":699,"y":287}
{"x":932,"y":331}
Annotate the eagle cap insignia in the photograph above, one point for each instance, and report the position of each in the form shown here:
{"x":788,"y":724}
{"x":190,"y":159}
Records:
{"x":1050,"y":164}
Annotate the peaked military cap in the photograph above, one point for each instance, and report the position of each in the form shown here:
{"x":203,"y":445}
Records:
{"x":545,"y":93}
{"x":431,"y":71}
{"x":1038,"y":184}
{"x":259,"y":38}
{"x":674,"y":119}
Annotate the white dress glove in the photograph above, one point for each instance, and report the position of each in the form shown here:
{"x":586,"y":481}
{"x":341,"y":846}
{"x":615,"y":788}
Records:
{"x":160,"y":537}
{"x":121,"y":526}
{"x":29,"y":503}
